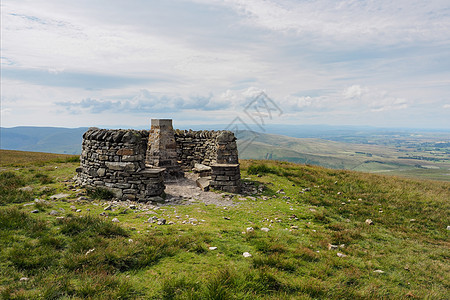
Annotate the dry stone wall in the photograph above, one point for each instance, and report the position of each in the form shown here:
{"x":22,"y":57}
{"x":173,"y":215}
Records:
{"x":116,"y":160}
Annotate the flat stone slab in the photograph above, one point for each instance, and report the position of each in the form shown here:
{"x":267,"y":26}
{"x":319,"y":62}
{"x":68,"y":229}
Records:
{"x":152,"y":171}
{"x":225,"y":165}
{"x":203,"y":183}
{"x":201,"y":168}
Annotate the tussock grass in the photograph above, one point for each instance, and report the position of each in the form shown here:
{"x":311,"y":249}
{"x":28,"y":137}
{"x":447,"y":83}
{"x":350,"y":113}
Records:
{"x":100,"y":193}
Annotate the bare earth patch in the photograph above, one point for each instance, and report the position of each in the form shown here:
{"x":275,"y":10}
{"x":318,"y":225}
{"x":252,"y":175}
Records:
{"x":186,"y":191}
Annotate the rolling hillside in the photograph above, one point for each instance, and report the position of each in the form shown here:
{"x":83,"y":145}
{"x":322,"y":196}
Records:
{"x":42,"y":139}
{"x":350,"y":156}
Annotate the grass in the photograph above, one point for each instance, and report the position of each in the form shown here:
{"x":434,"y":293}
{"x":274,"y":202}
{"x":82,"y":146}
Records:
{"x":306,"y":208}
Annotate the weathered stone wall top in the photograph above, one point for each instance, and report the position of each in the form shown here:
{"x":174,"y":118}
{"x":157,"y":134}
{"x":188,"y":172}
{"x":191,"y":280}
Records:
{"x":128,"y":136}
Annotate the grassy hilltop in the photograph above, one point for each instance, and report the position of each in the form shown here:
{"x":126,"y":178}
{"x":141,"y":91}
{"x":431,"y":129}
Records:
{"x":319,"y":245}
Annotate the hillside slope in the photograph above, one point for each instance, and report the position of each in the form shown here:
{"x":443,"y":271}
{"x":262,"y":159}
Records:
{"x":312,"y":233}
{"x":350,"y":156}
{"x":42,"y":139}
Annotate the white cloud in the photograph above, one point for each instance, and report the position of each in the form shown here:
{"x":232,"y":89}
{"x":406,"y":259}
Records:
{"x":383,"y":21}
{"x":359,"y":58}
{"x":354,"y":91}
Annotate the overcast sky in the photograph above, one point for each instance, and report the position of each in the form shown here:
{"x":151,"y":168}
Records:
{"x":119,"y":63}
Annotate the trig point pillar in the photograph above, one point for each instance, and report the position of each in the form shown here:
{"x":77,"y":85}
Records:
{"x":162,"y":148}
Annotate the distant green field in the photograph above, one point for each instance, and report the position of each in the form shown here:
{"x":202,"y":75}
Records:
{"x":390,"y":157}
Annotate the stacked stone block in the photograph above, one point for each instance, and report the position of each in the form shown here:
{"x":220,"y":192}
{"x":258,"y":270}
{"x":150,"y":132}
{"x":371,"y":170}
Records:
{"x":114,"y":159}
{"x":162,"y":147}
{"x":225,"y":177}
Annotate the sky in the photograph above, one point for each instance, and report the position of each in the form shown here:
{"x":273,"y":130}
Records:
{"x":121,"y":63}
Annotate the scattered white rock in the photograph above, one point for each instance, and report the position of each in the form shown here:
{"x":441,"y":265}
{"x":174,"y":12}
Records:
{"x":369,"y":222}
{"x":35,"y":211}
{"x":341,"y":254}
{"x":89,"y":251}
{"x":448,"y":227}
{"x":24,"y":279}
{"x":59,"y":196}
{"x":26,"y":189}
{"x":265,"y":229}
{"x":78,"y":210}
{"x":332,"y":247}
{"x":379,"y":271}
{"x":130,"y":240}
{"x":109,"y":207}
{"x":54,"y":213}
{"x":60,"y":218}
{"x":212,"y":248}
{"x":294,"y":227}
{"x":115,"y":220}
{"x":249,"y":229}
{"x":246,"y":254}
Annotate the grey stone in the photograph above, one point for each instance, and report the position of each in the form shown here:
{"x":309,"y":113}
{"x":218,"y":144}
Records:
{"x":35,"y":211}
{"x":54,"y":213}
{"x":201,"y":168}
{"x":121,"y":166}
{"x":203,"y":183}
{"x":101,"y":172}
{"x":161,"y":222}
{"x":59,"y":196}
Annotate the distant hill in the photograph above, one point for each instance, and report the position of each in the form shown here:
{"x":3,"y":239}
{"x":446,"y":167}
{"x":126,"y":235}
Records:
{"x":42,"y":139}
{"x":428,"y":159}
{"x":406,"y":153}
